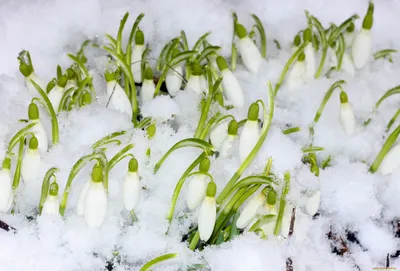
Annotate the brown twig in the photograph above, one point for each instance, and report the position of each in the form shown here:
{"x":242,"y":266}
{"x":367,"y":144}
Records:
{"x":289,"y":262}
{"x":6,"y":227}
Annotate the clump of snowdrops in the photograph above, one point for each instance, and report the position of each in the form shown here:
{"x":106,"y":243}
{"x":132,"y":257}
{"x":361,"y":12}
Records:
{"x":255,"y":203}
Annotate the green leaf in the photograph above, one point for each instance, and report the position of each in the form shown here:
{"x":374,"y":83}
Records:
{"x":207,"y":51}
{"x":158,"y":260}
{"x":184,"y":42}
{"x":131,"y":38}
{"x":181,"y":56}
{"x":263,"y":37}
{"x":188,"y":142}
{"x":198,"y":43}
{"x":390,"y":92}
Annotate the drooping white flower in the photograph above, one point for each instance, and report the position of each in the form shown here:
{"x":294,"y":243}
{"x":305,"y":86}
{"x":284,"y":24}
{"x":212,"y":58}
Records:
{"x":131,"y":186}
{"x":230,"y":84}
{"x":52,"y":204}
{"x":198,"y":185}
{"x":391,"y":161}
{"x":226,"y":147}
{"x":250,"y":133}
{"x":362,"y":44}
{"x":6,"y":192}
{"x":148,"y":86}
{"x":347,"y":118}
{"x":173,"y":80}
{"x":31,"y":161}
{"x":248,"y":51}
{"x":137,"y":53}
{"x":38,"y":130}
{"x":219,"y":133}
{"x":297,"y":74}
{"x":118,"y":99}
{"x":250,"y":210}
{"x":208,"y":213}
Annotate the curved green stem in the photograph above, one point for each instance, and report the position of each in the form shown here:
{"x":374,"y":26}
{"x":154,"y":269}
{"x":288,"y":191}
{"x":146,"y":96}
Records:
{"x":390,"y":92}
{"x":107,"y":139}
{"x":291,"y":130}
{"x":263,"y":37}
{"x":119,"y":156}
{"x":51,"y":112}
{"x":45,"y":187}
{"x":20,"y":134}
{"x":392,"y":120}
{"x":282,"y":203}
{"x":158,"y":260}
{"x":17,"y":173}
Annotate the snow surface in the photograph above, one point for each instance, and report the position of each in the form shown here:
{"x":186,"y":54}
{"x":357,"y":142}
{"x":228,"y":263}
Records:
{"x":350,"y":196}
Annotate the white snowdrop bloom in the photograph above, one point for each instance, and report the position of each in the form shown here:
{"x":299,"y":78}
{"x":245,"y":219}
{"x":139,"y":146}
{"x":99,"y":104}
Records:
{"x":362,"y":44}
{"x":297,"y":73}
{"x":38,"y":130}
{"x":118,"y":100}
{"x":250,"y":211}
{"x":198,"y":185}
{"x":230,"y":84}
{"x":6,"y":192}
{"x":226,"y":147}
{"x":250,"y":133}
{"x":248,"y":51}
{"x":208,"y":213}
{"x":219,"y":133}
{"x":347,"y":118}
{"x":391,"y":161}
{"x":31,"y":161}
{"x":174,"y":79}
{"x":131,"y":186}
{"x":148,"y":86}
{"x":51,"y":205}
{"x":137,"y":53}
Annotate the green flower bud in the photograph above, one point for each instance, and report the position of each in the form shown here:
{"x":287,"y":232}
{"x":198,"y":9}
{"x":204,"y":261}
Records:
{"x":343,"y":97}
{"x":204,"y":165}
{"x":62,"y":81}
{"x":110,"y":76}
{"x":241,"y":32}
{"x":211,"y":189}
{"x":133,"y":165}
{"x":350,"y":28}
{"x":148,"y":74}
{"x":307,"y":35}
{"x":151,"y":131}
{"x":86,"y":99}
{"x":50,"y":85}
{"x":25,"y":69}
{"x":33,"y":112}
{"x":271,"y":197}
{"x":33,"y":143}
{"x":253,"y":112}
{"x":70,"y":74}
{"x":368,"y":21}
{"x":139,"y":37}
{"x":53,"y":191}
{"x":297,"y":40}
{"x":6,"y":163}
{"x":197,"y":69}
{"x":233,"y":127}
{"x":97,"y":173}
{"x":221,"y":62}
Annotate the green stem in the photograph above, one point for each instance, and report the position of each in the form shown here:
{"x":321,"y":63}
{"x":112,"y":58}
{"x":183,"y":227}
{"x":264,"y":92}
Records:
{"x":20,"y":134}
{"x":106,"y":139}
{"x":234,"y":49}
{"x":119,"y":156}
{"x":158,"y":260}
{"x":390,"y":92}
{"x":385,"y":149}
{"x":263,"y":37}
{"x":282,"y":203}
{"x":392,"y":120}
{"x":17,"y":173}
{"x":291,"y":130}
{"x":51,"y":112}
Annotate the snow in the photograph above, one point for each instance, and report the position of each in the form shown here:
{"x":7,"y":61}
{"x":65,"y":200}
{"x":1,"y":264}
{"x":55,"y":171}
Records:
{"x":351,"y":197}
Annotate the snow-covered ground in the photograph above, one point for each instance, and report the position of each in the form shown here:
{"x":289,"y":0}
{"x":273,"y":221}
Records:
{"x":352,"y":199}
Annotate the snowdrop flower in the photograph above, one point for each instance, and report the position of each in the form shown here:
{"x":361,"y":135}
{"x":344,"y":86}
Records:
{"x":95,"y":204}
{"x":362,"y":44}
{"x":38,"y":130}
{"x":296,"y":43}
{"x":6,"y":192}
{"x":250,"y":133}
{"x":250,"y":210}
{"x":52,"y":204}
{"x":349,"y":35}
{"x":309,"y":54}
{"x":29,"y":74}
{"x":347,"y":118}
{"x":31,"y":161}
{"x":174,"y":77}
{"x":230,"y":84}
{"x":148,"y":87}
{"x":198,"y":185}
{"x":56,"y":93}
{"x":297,"y":73}
{"x":196,"y":79}
{"x":131,"y":186}
{"x":118,"y":99}
{"x":312,"y":203}
{"x":249,"y":52}
{"x":219,"y":134}
{"x":71,"y":82}
{"x":208,"y":213}
{"x":391,"y":161}
{"x":137,"y":53}
{"x":226,"y":147}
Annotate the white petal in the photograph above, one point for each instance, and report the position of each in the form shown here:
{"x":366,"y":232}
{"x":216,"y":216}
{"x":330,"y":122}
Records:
{"x":30,"y":165}
{"x":131,"y":191}
{"x":194,"y":84}
{"x":226,"y":147}
{"x":119,"y":100}
{"x":250,"y":211}
{"x":310,"y":61}
{"x":147,"y":91}
{"x":312,"y":203}
{"x":391,"y":161}
{"x":5,"y":189}
{"x":95,"y":208}
{"x":37,"y":80}
{"x":347,"y":118}
{"x":173,"y":80}
{"x":248,"y":139}
{"x":55,"y":96}
{"x":296,"y":75}
{"x":70,"y":84}
{"x":136,"y":66}
{"x":219,"y":134}
{"x":347,"y":64}
{"x":349,"y":38}
{"x":250,"y":54}
{"x":41,"y":136}
{"x":362,"y":48}
{"x":81,"y":199}
{"x":51,"y":205}
{"x":207,"y":217}
{"x":232,"y":89}
{"x":196,"y":191}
